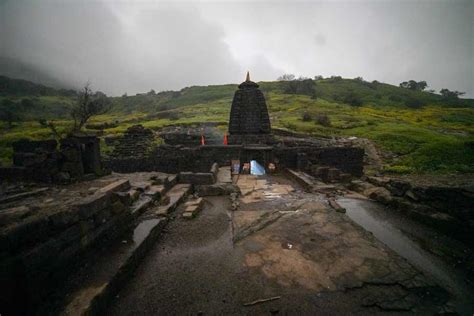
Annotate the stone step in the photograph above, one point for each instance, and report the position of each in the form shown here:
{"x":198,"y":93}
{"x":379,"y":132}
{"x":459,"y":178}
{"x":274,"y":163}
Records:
{"x":305,"y":180}
{"x":192,"y":207}
{"x":94,"y":286}
{"x":176,"y":195}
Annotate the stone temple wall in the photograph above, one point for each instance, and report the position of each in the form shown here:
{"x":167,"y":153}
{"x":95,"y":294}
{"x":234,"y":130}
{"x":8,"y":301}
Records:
{"x":174,"y":159}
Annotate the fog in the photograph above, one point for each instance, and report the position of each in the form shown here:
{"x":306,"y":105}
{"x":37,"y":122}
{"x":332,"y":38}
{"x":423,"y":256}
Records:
{"x":134,"y":46}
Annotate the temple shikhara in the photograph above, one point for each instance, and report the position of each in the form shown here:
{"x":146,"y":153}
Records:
{"x":249,"y":120}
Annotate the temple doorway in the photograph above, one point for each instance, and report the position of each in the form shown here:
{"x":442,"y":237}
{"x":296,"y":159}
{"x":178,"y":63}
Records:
{"x":256,"y":168}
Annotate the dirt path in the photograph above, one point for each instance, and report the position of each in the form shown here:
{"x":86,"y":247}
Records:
{"x":281,"y":243}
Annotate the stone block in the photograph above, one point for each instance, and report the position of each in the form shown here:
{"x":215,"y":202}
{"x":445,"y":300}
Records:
{"x":134,"y":194}
{"x":92,"y":204}
{"x":156,"y":191}
{"x":118,"y":207}
{"x":63,"y":218}
{"x":123,"y":197}
{"x":116,"y":186}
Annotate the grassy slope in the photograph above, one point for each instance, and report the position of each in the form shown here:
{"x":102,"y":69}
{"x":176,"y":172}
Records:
{"x":435,"y":138}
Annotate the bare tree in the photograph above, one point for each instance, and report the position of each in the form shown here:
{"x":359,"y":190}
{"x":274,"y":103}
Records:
{"x":88,"y":104}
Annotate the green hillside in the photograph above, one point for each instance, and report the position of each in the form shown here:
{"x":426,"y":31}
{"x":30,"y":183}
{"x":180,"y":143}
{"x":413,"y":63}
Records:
{"x":421,"y":132}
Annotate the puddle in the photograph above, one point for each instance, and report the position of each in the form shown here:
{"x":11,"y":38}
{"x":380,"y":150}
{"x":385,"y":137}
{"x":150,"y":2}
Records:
{"x":384,"y":224}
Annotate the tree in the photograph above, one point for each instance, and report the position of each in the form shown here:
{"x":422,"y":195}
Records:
{"x":450,"y":95}
{"x":413,"y":85}
{"x":323,"y":119}
{"x":286,"y":77}
{"x":8,"y":112}
{"x":318,"y":77}
{"x":352,"y":99}
{"x":88,"y":104}
{"x":27,"y":103}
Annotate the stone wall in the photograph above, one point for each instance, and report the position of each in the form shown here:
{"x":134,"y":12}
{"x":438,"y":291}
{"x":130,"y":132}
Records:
{"x":136,"y":142}
{"x":37,"y":250}
{"x":42,"y":161}
{"x":175,"y":159}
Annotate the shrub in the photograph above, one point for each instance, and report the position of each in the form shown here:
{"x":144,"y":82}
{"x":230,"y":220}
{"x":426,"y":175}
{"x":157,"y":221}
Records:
{"x":414,"y":103}
{"x":323,"y":119}
{"x":395,"y":98}
{"x":352,"y":99}
{"x":306,"y":117}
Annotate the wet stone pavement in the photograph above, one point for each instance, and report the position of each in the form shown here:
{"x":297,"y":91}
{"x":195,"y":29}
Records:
{"x":283,"y":246}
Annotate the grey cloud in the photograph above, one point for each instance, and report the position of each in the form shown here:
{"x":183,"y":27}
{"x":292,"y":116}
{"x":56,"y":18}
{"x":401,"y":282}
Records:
{"x":132,"y":46}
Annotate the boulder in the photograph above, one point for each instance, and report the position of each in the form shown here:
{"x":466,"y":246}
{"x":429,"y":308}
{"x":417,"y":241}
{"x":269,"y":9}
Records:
{"x":379,"y":194}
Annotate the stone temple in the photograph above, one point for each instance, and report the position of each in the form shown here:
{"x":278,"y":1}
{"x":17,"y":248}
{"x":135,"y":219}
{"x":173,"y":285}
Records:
{"x":249,"y":122}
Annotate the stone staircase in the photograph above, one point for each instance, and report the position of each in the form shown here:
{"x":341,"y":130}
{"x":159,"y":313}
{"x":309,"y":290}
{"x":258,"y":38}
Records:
{"x":91,"y":288}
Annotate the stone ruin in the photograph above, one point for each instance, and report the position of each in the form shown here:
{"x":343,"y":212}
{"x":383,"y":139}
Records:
{"x":136,"y":143}
{"x":42,"y":161}
{"x":250,"y":138}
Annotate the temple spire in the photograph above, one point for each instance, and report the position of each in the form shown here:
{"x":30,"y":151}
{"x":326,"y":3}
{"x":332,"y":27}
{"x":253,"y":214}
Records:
{"x":248,"y":77}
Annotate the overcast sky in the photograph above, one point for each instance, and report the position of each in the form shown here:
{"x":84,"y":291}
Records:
{"x":135,"y":46}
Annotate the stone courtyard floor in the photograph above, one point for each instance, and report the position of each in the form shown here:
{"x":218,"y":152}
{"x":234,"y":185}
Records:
{"x":283,"y":251}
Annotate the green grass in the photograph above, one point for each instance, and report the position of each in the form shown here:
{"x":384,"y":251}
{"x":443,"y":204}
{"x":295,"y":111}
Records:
{"x":437,"y":138}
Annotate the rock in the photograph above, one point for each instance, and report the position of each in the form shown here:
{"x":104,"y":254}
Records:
{"x":379,"y":194}
{"x":398,"y":187}
{"x":378,"y":181}
{"x":360,"y":186}
{"x":336,"y":206}
{"x":411,"y":195}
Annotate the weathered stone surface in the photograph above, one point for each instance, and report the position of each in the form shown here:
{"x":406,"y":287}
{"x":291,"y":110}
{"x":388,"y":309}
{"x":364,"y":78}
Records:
{"x":196,"y":177}
{"x":14,"y":214}
{"x":156,"y":191}
{"x":217,"y":189}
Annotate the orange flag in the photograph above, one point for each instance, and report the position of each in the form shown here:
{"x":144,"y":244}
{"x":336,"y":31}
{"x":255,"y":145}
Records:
{"x":225,"y":138}
{"x":202,"y":140}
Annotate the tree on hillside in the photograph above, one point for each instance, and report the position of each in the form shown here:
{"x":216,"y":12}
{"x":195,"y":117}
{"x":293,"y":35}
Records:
{"x":318,"y":77}
{"x":413,"y":85}
{"x":88,"y":105}
{"x":300,"y":86}
{"x":286,"y":77}
{"x":450,"y":95}
{"x":8,"y":113}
